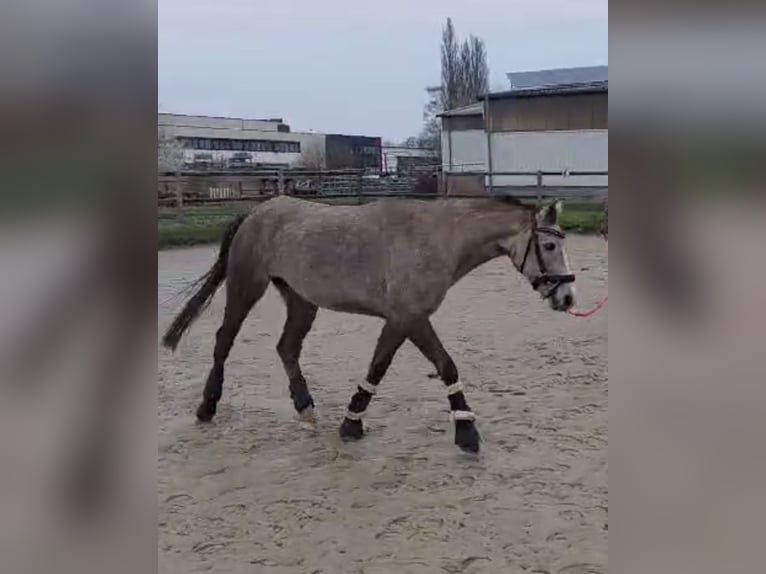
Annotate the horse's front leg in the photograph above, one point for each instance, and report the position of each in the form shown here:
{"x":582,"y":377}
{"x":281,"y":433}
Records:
{"x":391,"y":338}
{"x":427,"y":341}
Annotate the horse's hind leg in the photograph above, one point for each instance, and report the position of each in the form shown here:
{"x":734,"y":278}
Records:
{"x":240,"y":298}
{"x":300,"y":317}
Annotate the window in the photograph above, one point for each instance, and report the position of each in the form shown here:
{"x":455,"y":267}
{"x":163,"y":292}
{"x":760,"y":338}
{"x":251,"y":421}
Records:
{"x":224,"y":144}
{"x":195,"y":143}
{"x":286,"y":147}
{"x":365,"y":150}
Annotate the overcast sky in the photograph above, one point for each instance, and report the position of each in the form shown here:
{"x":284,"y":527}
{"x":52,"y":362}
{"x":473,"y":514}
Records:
{"x":353,"y":66}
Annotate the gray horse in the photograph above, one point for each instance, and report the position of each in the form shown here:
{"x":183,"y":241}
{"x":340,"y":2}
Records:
{"x":393,"y":259}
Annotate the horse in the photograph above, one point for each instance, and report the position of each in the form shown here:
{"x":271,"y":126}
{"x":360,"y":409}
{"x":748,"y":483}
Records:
{"x":394,"y":259}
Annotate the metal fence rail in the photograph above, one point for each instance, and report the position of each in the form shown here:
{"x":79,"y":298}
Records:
{"x":194,"y":188}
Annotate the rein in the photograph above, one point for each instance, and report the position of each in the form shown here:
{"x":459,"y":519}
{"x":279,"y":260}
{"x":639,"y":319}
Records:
{"x":597,"y":307}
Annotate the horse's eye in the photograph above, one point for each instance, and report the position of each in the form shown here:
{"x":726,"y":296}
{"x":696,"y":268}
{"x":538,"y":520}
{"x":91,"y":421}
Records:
{"x":549,"y":246}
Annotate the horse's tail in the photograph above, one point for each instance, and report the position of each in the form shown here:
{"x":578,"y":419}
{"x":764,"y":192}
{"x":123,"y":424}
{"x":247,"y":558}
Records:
{"x":204,"y":288}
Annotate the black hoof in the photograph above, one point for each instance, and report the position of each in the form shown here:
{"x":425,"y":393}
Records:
{"x":205,"y":412}
{"x":303,"y":404}
{"x":351,"y":430}
{"x":466,"y":436}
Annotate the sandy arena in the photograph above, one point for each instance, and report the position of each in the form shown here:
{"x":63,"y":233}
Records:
{"x":254,"y":492}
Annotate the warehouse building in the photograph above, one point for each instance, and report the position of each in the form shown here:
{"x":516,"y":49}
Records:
{"x":548,"y":121}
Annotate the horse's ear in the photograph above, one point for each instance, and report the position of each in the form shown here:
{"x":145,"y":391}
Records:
{"x":549,"y":215}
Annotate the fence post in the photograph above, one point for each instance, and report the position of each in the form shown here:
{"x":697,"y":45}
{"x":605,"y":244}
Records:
{"x":539,"y":188}
{"x":280,"y":182}
{"x":489,"y":183}
{"x":179,"y":193}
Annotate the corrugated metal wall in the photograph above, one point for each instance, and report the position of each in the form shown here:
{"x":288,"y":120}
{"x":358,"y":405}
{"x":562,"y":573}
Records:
{"x":468,"y":151}
{"x":570,"y":112}
{"x":582,"y":150}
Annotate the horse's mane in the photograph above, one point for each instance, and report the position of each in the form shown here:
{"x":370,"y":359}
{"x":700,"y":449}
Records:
{"x":512,"y":200}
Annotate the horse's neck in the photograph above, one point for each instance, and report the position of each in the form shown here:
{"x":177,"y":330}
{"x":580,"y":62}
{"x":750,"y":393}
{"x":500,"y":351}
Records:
{"x":478,"y":232}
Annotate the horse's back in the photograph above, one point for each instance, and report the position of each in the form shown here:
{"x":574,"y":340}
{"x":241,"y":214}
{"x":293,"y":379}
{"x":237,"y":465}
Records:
{"x":343,"y":257}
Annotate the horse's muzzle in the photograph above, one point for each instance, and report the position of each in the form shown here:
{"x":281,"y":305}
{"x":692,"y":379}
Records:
{"x":558,"y":289}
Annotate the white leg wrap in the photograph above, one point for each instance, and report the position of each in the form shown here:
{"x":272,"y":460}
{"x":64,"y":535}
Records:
{"x":354,"y":416}
{"x":369,"y":387}
{"x":463,"y":416}
{"x":454,"y":389}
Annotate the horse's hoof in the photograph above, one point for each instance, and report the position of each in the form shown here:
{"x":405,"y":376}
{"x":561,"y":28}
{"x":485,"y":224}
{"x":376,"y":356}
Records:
{"x":466,"y":436}
{"x":306,"y":417}
{"x":351,"y":430}
{"x":205,"y":412}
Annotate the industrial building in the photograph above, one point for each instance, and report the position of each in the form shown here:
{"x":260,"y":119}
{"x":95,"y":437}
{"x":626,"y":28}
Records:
{"x":547,"y":121}
{"x":225,"y":143}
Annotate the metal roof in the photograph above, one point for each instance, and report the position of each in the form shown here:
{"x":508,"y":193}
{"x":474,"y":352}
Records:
{"x":475,"y":109}
{"x":558,"y":77}
{"x":591,"y":88}
{"x":162,"y":115}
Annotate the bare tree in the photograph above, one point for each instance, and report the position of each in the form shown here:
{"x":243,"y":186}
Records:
{"x":464,"y":70}
{"x":474,"y":72}
{"x":430,"y":135}
{"x":170,"y":152}
{"x":450,"y":59}
{"x":312,"y":157}
{"x":464,"y":77}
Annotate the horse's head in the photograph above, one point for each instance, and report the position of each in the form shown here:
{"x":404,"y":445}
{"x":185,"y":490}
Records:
{"x":539,"y":254}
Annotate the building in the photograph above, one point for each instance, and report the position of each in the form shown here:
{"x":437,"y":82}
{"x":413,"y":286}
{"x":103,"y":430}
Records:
{"x":354,"y":152}
{"x":403,"y":159}
{"x":548,"y":121}
{"x":464,"y":140}
{"x":225,"y":143}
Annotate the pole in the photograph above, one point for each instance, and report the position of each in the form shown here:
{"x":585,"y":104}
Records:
{"x":539,"y":188}
{"x":179,"y":192}
{"x":488,"y":130}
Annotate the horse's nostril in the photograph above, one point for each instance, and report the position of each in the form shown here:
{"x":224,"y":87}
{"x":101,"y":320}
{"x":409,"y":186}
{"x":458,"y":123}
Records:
{"x":568,"y":300}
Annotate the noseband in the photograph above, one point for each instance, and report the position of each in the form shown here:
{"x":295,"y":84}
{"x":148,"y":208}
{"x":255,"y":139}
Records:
{"x":544,"y":278}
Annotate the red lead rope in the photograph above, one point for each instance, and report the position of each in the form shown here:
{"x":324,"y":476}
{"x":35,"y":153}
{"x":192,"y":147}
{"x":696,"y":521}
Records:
{"x":596,"y":308}
{"x":590,"y":312}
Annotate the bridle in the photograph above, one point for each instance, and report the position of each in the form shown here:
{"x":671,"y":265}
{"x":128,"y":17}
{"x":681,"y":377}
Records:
{"x":544,"y":278}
